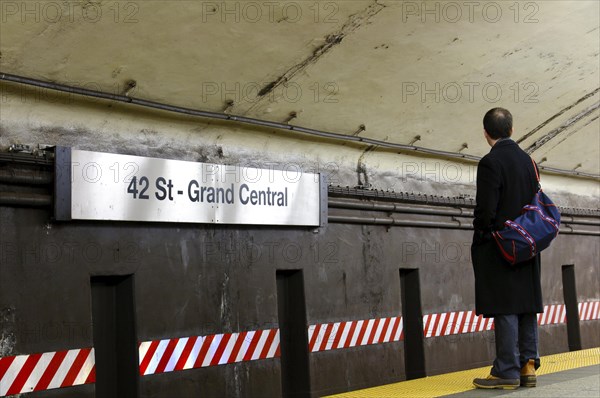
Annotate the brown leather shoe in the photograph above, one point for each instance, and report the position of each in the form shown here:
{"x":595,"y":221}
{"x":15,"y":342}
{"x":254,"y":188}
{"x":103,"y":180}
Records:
{"x":496,"y":382}
{"x":528,"y":378}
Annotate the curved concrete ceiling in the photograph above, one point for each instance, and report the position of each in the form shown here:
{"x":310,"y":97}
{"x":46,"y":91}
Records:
{"x":410,"y":72}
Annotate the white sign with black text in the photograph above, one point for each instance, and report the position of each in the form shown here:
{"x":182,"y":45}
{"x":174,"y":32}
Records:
{"x":107,"y":186}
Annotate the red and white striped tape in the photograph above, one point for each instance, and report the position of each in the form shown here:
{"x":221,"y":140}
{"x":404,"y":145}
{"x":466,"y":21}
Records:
{"x":445,"y":324}
{"x":37,"y":372}
{"x":26,"y":373}
{"x":330,"y":336}
{"x":553,"y":314}
{"x":449,"y":323}
{"x":160,"y":356}
{"x":589,"y":310}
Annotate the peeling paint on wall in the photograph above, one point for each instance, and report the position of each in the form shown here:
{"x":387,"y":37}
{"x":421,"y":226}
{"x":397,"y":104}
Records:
{"x":8,"y":338}
{"x":127,"y":130}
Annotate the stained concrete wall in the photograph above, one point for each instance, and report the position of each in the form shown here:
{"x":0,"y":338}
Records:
{"x":38,"y":116}
{"x":199,"y":279}
{"x":401,"y":68}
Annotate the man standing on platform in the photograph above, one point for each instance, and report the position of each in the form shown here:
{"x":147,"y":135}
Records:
{"x":506,"y":181}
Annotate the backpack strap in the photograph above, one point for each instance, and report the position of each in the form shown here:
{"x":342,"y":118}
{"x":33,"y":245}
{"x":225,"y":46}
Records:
{"x":537,"y":174}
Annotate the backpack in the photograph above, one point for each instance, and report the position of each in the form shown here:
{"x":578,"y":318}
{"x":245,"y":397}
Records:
{"x":531,"y":232}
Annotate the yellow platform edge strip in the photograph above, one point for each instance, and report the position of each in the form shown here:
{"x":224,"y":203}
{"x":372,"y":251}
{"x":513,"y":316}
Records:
{"x":457,"y":382}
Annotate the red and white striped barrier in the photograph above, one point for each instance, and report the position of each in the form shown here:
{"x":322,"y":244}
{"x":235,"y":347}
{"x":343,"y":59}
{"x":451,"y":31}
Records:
{"x":160,"y":356}
{"x":37,"y":372}
{"x":589,"y":310}
{"x":553,"y":314}
{"x":445,"y":324}
{"x":449,"y":323}
{"x":330,"y":336}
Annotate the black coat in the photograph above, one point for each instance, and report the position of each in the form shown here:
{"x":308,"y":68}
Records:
{"x":506,"y":181}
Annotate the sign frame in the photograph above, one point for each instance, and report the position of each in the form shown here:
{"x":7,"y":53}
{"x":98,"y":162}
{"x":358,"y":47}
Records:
{"x":310,"y":193}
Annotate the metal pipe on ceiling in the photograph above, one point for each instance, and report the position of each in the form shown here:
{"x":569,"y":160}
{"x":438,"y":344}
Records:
{"x":455,"y":212}
{"x":355,"y":195}
{"x":459,"y":208}
{"x":26,"y":177}
{"x":573,"y":231}
{"x":572,"y":220}
{"x":395,"y":208}
{"x":398,"y":223}
{"x":390,"y":221}
{"x":26,"y":159}
{"x":42,"y":200}
{"x":25,"y":199}
{"x":259,"y":122}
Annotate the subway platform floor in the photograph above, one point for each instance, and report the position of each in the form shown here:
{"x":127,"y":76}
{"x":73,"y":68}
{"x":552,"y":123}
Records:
{"x":571,"y":374}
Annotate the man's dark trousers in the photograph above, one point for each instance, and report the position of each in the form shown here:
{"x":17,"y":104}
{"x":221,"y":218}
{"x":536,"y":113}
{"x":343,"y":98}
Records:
{"x":510,"y":355}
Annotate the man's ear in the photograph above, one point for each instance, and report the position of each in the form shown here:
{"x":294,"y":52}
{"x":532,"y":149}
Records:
{"x":510,"y":133}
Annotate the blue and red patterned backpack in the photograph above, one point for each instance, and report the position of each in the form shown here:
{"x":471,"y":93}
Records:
{"x":533,"y":231}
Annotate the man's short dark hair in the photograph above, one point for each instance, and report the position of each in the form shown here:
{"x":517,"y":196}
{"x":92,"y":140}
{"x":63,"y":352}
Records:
{"x":498,"y":123}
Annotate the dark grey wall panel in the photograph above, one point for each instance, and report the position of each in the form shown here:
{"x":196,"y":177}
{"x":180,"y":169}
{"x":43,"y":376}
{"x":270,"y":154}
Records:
{"x":195,"y":280}
{"x":245,"y":380}
{"x":451,"y":353}
{"x":45,"y":282}
{"x":199,"y":281}
{"x":590,"y":334}
{"x":354,"y":368}
{"x":84,"y":391}
{"x":553,"y":339}
{"x":581,"y":251}
{"x":353,"y":279}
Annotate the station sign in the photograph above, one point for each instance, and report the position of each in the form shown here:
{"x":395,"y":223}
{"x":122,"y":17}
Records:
{"x":105,"y":186}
